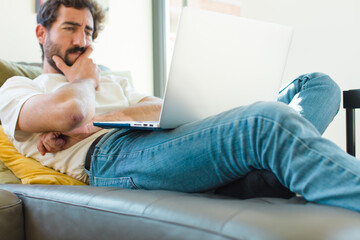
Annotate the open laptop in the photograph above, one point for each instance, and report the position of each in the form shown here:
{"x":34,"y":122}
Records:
{"x":219,"y":62}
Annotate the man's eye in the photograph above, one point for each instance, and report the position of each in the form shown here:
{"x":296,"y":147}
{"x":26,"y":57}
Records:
{"x":89,"y":34}
{"x":69,"y":28}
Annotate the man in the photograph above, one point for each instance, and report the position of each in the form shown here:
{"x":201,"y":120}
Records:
{"x":50,"y":119}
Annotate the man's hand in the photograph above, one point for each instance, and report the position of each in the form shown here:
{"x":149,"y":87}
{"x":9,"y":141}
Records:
{"x":53,"y":142}
{"x":83,"y":68}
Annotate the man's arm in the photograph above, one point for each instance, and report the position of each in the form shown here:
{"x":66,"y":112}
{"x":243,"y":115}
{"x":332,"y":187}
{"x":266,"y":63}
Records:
{"x":61,"y":111}
{"x":148,"y":109}
{"x":68,"y":107}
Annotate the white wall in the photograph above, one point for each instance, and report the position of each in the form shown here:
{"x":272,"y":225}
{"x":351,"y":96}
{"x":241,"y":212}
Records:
{"x":17,"y":29}
{"x":125,"y":44}
{"x":326,"y":39}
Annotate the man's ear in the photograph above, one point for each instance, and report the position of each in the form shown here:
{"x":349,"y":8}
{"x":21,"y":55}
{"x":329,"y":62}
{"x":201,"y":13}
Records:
{"x":41,"y":33}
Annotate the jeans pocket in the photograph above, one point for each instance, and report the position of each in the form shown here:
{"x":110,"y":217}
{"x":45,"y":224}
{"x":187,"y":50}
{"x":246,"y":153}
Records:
{"x":122,"y":182}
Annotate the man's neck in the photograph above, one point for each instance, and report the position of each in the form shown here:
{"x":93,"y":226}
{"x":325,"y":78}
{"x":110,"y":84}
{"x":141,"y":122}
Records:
{"x":48,"y":69}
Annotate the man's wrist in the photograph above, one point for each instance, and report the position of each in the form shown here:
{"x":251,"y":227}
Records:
{"x":91,"y":81}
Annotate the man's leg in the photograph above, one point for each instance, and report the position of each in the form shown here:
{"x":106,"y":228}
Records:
{"x":316,"y":97}
{"x":205,"y":155}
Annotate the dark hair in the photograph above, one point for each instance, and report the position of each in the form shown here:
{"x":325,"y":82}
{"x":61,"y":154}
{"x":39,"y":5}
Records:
{"x":48,"y":12}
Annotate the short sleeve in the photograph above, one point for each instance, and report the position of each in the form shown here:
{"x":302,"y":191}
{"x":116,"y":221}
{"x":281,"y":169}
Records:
{"x":13,"y":94}
{"x":130,"y":92}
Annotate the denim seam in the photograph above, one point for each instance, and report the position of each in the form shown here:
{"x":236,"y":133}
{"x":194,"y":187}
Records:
{"x":173,"y":140}
{"x":283,"y":128}
{"x":309,"y":148}
{"x":127,"y":179}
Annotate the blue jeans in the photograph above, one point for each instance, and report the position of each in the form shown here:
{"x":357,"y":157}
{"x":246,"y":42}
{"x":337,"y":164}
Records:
{"x":315,"y":96}
{"x":206,"y":154}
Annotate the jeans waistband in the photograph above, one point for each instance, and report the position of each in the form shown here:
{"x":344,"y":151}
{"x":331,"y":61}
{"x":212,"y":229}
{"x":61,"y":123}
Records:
{"x":91,"y":151}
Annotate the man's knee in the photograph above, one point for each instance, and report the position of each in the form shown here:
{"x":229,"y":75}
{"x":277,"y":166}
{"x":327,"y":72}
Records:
{"x":277,"y":113}
{"x":331,"y":88}
{"x":272,"y":110}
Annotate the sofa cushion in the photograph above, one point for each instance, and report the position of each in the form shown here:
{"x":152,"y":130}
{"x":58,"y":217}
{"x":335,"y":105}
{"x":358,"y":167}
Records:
{"x":115,"y":213}
{"x":7,"y":176}
{"x":9,"y":69}
{"x":11,"y":216}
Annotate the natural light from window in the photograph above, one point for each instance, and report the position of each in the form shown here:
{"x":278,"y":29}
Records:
{"x":173,"y":9}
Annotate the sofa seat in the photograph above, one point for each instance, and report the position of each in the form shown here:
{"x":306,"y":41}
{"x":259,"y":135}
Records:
{"x":83,"y":212}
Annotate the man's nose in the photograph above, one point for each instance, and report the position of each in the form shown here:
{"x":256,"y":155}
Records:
{"x":80,"y":39}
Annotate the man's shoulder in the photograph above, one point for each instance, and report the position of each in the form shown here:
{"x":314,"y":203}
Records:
{"x":15,"y":80}
{"x":120,"y":77}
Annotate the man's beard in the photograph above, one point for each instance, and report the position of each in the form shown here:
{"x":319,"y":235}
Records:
{"x":51,"y":49}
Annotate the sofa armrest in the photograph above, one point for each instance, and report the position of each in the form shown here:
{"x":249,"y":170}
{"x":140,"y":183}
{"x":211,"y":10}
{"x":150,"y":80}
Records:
{"x":11,"y":216}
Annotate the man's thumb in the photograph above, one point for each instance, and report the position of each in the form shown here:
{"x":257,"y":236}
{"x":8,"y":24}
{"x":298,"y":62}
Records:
{"x":60,"y":63}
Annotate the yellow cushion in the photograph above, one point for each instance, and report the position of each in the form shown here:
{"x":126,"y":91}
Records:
{"x":29,"y":170}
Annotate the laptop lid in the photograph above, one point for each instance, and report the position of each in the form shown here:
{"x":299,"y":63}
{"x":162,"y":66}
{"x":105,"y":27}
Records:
{"x":222,"y":62}
{"x":219,"y":62}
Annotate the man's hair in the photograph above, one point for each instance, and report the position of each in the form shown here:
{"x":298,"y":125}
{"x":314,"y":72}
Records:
{"x":48,"y":12}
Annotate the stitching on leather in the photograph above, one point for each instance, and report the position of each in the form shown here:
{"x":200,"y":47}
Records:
{"x":132,"y":215}
{"x":19,"y":202}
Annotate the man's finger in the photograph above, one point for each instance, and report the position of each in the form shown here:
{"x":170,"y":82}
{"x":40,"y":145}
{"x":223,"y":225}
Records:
{"x":53,"y":143}
{"x":50,"y":143}
{"x":41,"y":147}
{"x":87,"y":52}
{"x":59,"y":143}
{"x":60,"y":64}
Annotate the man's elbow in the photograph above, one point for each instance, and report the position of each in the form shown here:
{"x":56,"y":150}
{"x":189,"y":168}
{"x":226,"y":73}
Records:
{"x":77,"y":115}
{"x":75,"y":120}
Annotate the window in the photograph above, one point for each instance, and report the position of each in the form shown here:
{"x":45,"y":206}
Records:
{"x":231,"y":7}
{"x":166,"y":16}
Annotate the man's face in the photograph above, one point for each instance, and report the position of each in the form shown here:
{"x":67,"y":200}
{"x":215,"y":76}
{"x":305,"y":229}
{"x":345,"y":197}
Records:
{"x":69,"y":36}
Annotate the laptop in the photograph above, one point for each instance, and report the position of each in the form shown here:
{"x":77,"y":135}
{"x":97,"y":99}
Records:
{"x":219,"y":62}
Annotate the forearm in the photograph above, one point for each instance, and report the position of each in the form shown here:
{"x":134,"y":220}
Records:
{"x":147,"y":109}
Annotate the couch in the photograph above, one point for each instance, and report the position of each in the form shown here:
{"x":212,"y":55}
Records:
{"x":39,"y":203}
{"x":81,"y":212}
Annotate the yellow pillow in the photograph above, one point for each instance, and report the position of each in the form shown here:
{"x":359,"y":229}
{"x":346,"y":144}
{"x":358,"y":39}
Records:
{"x":29,"y":170}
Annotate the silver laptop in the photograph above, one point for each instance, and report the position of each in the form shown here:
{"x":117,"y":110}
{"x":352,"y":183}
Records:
{"x":219,"y":62}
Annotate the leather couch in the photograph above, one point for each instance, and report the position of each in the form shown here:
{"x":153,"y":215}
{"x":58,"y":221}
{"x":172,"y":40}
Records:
{"x":81,"y":212}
